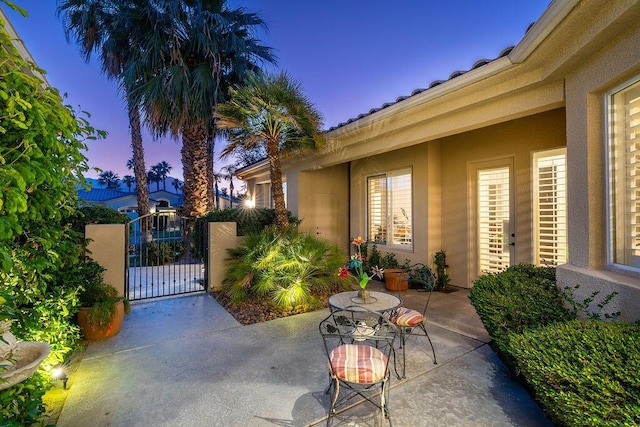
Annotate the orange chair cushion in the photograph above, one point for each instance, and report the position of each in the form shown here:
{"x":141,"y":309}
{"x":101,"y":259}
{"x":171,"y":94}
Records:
{"x":406,"y":317}
{"x":358,"y":363}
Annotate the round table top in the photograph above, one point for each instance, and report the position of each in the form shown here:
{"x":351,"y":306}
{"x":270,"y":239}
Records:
{"x":380,"y":301}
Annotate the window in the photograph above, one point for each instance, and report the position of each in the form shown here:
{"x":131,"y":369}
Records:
{"x":550,"y":206}
{"x":624,"y":175}
{"x":390,"y":209}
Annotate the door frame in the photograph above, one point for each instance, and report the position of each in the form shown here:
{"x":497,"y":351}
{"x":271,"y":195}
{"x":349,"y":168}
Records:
{"x":473,"y":167}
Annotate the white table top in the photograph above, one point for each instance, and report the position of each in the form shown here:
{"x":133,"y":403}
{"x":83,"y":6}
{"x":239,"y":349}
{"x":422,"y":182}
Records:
{"x":381,"y":301}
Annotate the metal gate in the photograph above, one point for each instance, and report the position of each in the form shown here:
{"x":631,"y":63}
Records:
{"x":167,"y":255}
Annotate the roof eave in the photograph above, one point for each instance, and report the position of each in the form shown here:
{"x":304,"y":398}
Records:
{"x":552,"y":16}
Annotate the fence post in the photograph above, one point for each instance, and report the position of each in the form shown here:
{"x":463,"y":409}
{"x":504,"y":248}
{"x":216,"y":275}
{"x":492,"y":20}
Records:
{"x":222,"y":236}
{"x":107,"y":247}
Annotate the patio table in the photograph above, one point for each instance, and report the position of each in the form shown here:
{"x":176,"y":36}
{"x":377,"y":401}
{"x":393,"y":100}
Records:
{"x":378,"y":301}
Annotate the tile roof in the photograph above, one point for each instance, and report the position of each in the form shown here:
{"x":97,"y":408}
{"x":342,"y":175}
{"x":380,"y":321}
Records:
{"x":458,"y":73}
{"x":102,"y":194}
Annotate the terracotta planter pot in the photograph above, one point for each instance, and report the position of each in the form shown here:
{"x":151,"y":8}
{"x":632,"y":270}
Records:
{"x":396,"y":279}
{"x":95,"y":333}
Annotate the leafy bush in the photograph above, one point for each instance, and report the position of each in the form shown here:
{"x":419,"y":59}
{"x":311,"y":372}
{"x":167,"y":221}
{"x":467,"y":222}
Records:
{"x":42,"y":162}
{"x":160,"y":253}
{"x":289,"y":267}
{"x":583,"y":372}
{"x":250,"y":221}
{"x":521,"y":298}
{"x":96,"y":215}
{"x":578,"y":370}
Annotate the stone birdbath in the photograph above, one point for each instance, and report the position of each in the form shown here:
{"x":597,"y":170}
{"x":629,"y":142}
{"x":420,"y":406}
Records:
{"x":18,"y":360}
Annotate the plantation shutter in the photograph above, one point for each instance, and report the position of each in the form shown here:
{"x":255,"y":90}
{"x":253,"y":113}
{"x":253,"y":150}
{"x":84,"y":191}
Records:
{"x":632,"y":144}
{"x":400,"y":202}
{"x":550,"y":187}
{"x":493,"y":219}
{"x":377,"y":215}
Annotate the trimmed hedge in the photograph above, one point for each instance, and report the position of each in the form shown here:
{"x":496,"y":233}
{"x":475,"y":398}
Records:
{"x":584,"y":373}
{"x":581,"y":372}
{"x":521,"y":298}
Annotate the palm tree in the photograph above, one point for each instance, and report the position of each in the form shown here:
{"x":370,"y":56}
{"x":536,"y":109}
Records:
{"x":162,"y":170}
{"x":216,"y":180}
{"x":152,"y":176}
{"x":179,"y":88}
{"x":270,"y":110}
{"x":109,"y":179}
{"x":106,"y":27}
{"x":229,"y":173}
{"x":128,"y":181}
{"x":177,"y":184}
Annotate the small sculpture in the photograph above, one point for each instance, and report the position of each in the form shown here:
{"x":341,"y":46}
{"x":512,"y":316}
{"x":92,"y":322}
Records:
{"x":18,"y":360}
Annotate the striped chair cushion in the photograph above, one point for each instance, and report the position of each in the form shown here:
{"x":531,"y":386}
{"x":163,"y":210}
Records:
{"x":358,"y":363}
{"x":407,"y":317}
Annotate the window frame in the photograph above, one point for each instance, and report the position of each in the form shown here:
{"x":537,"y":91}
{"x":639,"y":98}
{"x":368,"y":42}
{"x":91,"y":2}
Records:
{"x":611,"y":148}
{"x":390,"y":226}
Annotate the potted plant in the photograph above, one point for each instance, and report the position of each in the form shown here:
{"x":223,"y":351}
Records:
{"x":102,"y":308}
{"x":396,"y":277}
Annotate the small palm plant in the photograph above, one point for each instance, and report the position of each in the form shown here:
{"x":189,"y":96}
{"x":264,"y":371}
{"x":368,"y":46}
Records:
{"x":289,"y":267}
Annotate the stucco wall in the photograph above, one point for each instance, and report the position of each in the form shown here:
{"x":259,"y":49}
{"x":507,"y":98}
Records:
{"x":513,"y":141}
{"x":614,"y":63}
{"x":107,"y":247}
{"x":322,"y":198}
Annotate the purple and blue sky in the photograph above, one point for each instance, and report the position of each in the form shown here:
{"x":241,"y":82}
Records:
{"x":349,"y":55}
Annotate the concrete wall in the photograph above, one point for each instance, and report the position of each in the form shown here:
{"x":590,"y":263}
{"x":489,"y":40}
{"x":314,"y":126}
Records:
{"x":108,"y":248}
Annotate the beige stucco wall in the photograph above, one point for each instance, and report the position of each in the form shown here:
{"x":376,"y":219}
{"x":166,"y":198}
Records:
{"x":614,"y":63}
{"x":322,"y":201}
{"x":222,"y":236}
{"x":514,"y":142}
{"x":107,"y":248}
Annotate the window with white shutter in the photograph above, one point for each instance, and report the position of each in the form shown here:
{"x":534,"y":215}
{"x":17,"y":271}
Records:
{"x":550,"y":206}
{"x":624,"y":175}
{"x":389,"y":200}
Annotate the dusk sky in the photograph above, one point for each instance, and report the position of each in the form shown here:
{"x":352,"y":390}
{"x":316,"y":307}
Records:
{"x":350,"y":56}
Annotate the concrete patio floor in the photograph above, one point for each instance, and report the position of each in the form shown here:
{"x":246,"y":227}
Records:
{"x":186,"y":362}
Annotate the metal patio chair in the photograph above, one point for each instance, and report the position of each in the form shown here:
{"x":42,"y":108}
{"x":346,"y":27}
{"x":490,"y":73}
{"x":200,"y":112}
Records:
{"x":412,"y":322}
{"x":359,"y":345}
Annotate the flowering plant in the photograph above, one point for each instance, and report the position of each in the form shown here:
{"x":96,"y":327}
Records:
{"x":356,"y":262}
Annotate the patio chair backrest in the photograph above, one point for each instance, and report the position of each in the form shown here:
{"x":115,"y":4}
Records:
{"x":358,"y":325}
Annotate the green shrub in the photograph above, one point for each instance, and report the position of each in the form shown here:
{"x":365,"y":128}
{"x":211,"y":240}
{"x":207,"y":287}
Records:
{"x":521,"y":298}
{"x":160,"y":253}
{"x":41,"y":143}
{"x":250,"y":221}
{"x":96,"y":215}
{"x":289,"y":267}
{"x":584,"y":373}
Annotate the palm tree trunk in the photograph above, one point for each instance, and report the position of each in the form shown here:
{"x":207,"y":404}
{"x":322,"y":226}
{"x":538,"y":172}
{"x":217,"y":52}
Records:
{"x":194,"y":164}
{"x":275,"y":169}
{"x":211,"y":140}
{"x":139,"y":170}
